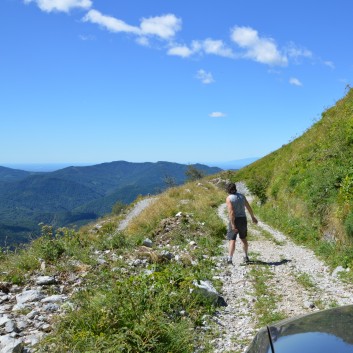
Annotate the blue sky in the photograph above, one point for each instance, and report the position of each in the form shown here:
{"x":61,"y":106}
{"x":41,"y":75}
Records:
{"x":91,"y":81}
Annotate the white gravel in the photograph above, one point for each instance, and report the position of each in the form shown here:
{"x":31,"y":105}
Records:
{"x":287,"y":261}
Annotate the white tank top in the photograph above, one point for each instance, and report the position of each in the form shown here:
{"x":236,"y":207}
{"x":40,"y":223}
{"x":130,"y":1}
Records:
{"x":238,"y":202}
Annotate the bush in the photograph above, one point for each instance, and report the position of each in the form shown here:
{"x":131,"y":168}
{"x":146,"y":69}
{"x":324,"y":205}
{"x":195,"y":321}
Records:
{"x":348,"y":224}
{"x":258,"y":187}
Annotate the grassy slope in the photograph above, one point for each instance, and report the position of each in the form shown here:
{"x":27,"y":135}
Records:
{"x":306,"y":187}
{"x":123,"y":308}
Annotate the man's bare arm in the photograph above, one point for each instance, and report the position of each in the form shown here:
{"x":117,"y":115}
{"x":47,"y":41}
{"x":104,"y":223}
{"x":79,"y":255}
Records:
{"x":231,"y":214}
{"x":248,"y":207}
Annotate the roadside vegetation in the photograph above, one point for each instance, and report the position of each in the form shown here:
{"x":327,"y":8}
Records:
{"x":305,"y":188}
{"x":138,"y":299}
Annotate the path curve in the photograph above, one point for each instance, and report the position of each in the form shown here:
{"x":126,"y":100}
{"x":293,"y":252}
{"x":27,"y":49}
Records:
{"x":137,"y":209}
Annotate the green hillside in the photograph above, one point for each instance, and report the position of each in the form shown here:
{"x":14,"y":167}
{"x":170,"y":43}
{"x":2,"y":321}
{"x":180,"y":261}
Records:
{"x":306,"y":187}
{"x":9,"y":174}
{"x":76,"y":195}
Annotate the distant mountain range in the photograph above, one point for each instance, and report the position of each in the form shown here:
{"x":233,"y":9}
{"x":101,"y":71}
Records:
{"x":77,"y":195}
{"x":51,"y":167}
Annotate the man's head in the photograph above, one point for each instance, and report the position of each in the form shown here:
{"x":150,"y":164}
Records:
{"x":231,"y":188}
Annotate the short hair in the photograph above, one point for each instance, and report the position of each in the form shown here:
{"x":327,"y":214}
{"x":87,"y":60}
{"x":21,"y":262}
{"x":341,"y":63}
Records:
{"x":231,"y":188}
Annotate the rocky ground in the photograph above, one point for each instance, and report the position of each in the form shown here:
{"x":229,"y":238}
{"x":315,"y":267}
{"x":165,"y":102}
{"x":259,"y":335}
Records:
{"x":287,"y":262}
{"x":27,"y":312}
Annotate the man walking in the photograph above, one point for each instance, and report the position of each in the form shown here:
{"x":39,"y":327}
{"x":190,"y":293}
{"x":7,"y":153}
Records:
{"x":236,"y":204}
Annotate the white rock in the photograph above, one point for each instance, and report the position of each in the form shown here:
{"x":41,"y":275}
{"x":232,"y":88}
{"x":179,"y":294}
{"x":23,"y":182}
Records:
{"x":9,"y":344}
{"x":45,"y":280}
{"x":337,"y":270}
{"x":32,"y":314}
{"x":53,"y":298}
{"x":29,"y":296}
{"x":3,"y":320}
{"x":148,"y":242}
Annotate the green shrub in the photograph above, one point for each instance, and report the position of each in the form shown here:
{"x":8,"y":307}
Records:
{"x":258,"y":187}
{"x":348,"y":224}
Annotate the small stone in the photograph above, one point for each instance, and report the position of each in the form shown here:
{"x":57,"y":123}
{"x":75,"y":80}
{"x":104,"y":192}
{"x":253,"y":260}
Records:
{"x":45,"y":280}
{"x":337,"y":270}
{"x":9,"y":344}
{"x":29,"y":296}
{"x":148,"y":242}
{"x":10,"y":326}
{"x":51,"y":307}
{"x":32,"y":314}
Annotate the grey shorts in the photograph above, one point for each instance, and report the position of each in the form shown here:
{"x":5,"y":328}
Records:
{"x":242,"y":226}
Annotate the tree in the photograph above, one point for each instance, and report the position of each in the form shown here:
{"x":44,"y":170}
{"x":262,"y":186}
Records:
{"x":192,"y":173}
{"x":118,"y":208}
{"x":169,"y":181}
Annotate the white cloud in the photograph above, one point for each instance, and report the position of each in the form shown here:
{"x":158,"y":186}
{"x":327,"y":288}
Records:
{"x":60,"y":5}
{"x":164,"y":27}
{"x":216,"y":47}
{"x":262,"y":50}
{"x":217,"y":115}
{"x":295,"y":82}
{"x":204,"y":77}
{"x":180,"y":50}
{"x":329,"y":64}
{"x":143,"y":41}
{"x":208,"y":46}
{"x":294,"y":52}
{"x":110,"y":23}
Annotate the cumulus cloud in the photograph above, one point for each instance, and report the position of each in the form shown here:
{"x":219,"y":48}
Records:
{"x":164,"y":27}
{"x":180,"y":50}
{"x":295,"y":52}
{"x":217,"y":115}
{"x":295,"y":82}
{"x":259,"y":49}
{"x":60,"y":5}
{"x":207,"y":46}
{"x":110,"y":23}
{"x":329,"y":64}
{"x":204,"y":77}
{"x":216,"y":47}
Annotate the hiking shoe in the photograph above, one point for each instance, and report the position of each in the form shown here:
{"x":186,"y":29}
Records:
{"x":229,"y":261}
{"x":246,"y":259}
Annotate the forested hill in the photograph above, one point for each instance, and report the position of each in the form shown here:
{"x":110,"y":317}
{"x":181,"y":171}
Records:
{"x":8,"y":174}
{"x":76,"y":195}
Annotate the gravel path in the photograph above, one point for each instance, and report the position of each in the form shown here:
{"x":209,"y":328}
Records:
{"x":287,"y":262}
{"x":138,"y":208}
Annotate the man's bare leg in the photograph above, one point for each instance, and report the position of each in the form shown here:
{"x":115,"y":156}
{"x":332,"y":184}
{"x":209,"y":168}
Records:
{"x":245,"y":248}
{"x":231,"y":247}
